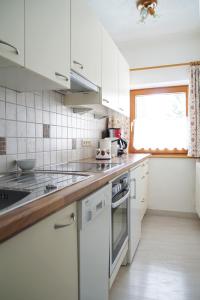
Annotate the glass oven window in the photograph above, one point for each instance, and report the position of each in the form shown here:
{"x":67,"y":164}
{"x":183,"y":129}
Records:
{"x":119,"y":227}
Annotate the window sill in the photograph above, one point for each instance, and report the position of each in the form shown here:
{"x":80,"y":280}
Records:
{"x":171,"y":156}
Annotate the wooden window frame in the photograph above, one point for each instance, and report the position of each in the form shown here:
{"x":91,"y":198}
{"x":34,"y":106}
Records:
{"x":150,"y":91}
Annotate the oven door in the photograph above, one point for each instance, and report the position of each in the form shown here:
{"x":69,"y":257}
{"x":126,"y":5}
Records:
{"x":119,"y":226}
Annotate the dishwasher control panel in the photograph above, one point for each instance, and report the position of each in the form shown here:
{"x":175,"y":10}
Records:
{"x":93,"y":205}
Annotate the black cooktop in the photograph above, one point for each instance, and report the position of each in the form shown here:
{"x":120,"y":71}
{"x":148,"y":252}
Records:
{"x":84,"y":167}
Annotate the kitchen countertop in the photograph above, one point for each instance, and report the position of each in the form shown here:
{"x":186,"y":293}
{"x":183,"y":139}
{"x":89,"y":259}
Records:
{"x":22,"y":217}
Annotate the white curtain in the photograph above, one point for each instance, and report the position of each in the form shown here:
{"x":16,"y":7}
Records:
{"x":194,"y":111}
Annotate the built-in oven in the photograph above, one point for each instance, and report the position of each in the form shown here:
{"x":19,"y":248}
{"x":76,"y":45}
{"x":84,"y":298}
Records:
{"x":119,"y":218}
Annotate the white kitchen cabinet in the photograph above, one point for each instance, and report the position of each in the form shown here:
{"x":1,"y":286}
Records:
{"x":109,"y":71}
{"x":144,"y":187}
{"x":11,"y":32}
{"x":85,"y":42}
{"x":47,"y":39}
{"x":135,"y":211}
{"x":123,"y":86}
{"x":40,"y":263}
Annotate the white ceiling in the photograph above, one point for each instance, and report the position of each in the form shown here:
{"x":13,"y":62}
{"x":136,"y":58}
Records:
{"x":121,"y":19}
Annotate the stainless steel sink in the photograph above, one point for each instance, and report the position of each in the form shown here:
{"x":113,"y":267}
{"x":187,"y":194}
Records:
{"x":9,"y":197}
{"x":18,"y":188}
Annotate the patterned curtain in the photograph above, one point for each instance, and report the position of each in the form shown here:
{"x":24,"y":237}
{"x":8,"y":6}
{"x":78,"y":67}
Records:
{"x":194,"y":110}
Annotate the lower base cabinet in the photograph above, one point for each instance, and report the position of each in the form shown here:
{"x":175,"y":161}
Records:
{"x":40,"y":263}
{"x":144,"y":187}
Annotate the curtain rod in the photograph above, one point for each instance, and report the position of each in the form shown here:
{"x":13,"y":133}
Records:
{"x":166,"y":66}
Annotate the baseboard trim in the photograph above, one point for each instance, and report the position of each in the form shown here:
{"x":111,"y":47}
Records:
{"x":169,"y":213}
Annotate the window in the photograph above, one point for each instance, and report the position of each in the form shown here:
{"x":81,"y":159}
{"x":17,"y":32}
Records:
{"x":159,"y":122}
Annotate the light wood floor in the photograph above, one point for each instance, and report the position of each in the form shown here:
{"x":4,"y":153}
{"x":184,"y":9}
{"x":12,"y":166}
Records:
{"x":166,"y":265}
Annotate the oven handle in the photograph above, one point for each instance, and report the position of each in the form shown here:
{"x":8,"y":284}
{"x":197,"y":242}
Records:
{"x":123,"y":199}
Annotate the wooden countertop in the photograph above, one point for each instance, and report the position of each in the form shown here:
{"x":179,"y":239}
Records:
{"x":20,"y":218}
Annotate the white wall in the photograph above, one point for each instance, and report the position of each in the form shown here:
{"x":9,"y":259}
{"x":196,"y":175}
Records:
{"x":174,"y":50}
{"x":165,"y":50}
{"x":172,"y":184}
{"x":159,"y":77}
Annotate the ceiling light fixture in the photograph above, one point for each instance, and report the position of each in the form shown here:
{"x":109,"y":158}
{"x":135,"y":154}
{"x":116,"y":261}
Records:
{"x":146,"y":8}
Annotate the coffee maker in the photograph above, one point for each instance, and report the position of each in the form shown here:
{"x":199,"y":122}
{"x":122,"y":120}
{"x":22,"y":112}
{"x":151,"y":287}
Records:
{"x":116,"y":135}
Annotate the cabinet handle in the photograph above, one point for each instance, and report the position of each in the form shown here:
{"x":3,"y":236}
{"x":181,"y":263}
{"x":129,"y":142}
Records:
{"x":72,"y":216}
{"x":61,"y":75}
{"x":142,"y":200}
{"x":9,"y":45}
{"x":147,"y":173}
{"x":143,"y":177}
{"x":78,"y":63}
{"x":105,"y":100}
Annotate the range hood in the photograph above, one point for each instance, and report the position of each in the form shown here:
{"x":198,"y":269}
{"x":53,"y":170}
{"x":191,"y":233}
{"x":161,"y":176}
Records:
{"x":79,"y":84}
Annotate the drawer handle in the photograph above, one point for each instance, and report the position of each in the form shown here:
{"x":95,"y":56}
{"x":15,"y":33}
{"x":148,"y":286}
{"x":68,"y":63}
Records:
{"x":72,"y":216}
{"x":142,"y":200}
{"x":105,"y":100}
{"x":10,"y":45}
{"x":61,"y":75}
{"x":78,"y":63}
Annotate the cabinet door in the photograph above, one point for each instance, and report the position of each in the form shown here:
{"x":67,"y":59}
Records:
{"x":40,"y":263}
{"x":11,"y":32}
{"x":85,"y":42}
{"x":47,"y":39}
{"x":109,"y":72}
{"x":135,"y":210}
{"x":144,"y":187}
{"x":123,"y":86}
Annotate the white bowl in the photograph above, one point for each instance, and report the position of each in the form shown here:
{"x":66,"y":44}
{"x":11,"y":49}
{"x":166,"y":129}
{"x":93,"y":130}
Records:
{"x":26,"y":164}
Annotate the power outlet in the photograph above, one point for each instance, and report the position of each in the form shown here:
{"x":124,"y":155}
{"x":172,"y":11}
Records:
{"x":86,"y":143}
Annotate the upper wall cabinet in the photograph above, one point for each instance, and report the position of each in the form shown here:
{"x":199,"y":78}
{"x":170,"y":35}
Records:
{"x":85,"y":42}
{"x":109,"y":71}
{"x":123,"y":86}
{"x":11,"y":32}
{"x":47,"y":39}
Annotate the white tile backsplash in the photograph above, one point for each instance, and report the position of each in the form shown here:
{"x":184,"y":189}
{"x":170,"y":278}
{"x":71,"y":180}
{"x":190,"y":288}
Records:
{"x":21,"y":145}
{"x":21,"y":113}
{"x":30,"y":100}
{"x":31,"y":145}
{"x":11,"y":128}
{"x":2,"y":109}
{"x":2,"y":128}
{"x":21,"y":99}
{"x":12,"y":146}
{"x":2,"y":94}
{"x":31,"y":130}
{"x":11,"y":96}
{"x":22,"y":116}
{"x":30,"y":115}
{"x":21,"y":129}
{"x":38,"y":116}
{"x":11,"y":111}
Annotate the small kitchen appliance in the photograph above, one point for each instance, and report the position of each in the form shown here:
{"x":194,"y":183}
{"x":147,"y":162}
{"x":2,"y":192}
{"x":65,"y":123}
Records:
{"x":116,"y":134}
{"x":104,"y":152}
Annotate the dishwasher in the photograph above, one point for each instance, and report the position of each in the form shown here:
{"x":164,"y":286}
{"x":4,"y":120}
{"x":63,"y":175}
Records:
{"x":94,"y":213}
